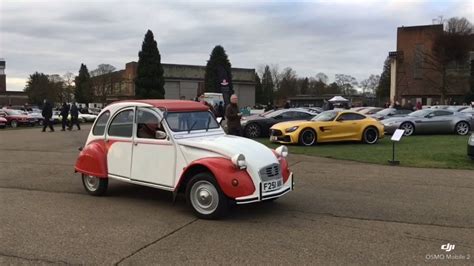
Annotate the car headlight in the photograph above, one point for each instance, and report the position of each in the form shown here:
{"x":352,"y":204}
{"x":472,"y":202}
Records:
{"x":291,"y":129}
{"x":239,"y":161}
{"x":282,"y":151}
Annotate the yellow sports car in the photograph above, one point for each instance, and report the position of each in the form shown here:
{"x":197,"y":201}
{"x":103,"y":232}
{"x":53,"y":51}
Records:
{"x":329,"y":126}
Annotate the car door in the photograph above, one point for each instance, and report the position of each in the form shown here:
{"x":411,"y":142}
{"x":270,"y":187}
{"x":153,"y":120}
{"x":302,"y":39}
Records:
{"x":154,"y":157}
{"x":346,"y":126}
{"x":119,"y":139}
{"x":443,"y":120}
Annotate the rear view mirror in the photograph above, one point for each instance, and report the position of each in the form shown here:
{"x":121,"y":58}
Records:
{"x":160,"y":134}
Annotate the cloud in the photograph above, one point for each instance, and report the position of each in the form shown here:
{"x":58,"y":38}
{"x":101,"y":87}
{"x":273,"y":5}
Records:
{"x":309,"y":36}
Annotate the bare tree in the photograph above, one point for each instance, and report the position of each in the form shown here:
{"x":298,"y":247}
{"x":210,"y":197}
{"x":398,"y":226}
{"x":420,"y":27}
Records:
{"x":457,"y":25}
{"x":102,"y":81}
{"x":369,"y":85}
{"x":346,"y":83}
{"x":322,"y":77}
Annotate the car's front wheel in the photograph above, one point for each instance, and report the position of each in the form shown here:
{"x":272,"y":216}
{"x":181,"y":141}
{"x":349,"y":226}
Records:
{"x":462,"y":128}
{"x":94,"y":185}
{"x":205,"y":197}
{"x":408,"y":127}
{"x":14,"y":123}
{"x":307,"y":137}
{"x":253,"y":130}
{"x":371,"y":135}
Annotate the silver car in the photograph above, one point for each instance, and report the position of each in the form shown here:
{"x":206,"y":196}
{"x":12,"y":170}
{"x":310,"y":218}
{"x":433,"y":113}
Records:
{"x":433,"y":121}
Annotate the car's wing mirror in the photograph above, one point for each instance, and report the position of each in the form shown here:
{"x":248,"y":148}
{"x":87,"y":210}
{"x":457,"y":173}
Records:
{"x":429,"y":115}
{"x":219,"y":120}
{"x":160,"y":134}
{"x":390,"y":115}
{"x":340,"y":119}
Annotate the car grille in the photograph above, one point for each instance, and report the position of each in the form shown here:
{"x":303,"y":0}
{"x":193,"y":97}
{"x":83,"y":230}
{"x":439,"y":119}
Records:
{"x":276,"y":132}
{"x":270,"y":172}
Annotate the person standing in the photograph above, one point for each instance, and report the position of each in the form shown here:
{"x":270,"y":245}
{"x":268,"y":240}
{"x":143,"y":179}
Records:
{"x":233,"y":116}
{"x":64,"y":116}
{"x":74,"y":117}
{"x":47,"y":113}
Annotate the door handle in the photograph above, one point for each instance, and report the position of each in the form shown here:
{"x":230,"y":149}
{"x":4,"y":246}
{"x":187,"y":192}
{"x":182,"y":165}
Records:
{"x":135,"y":143}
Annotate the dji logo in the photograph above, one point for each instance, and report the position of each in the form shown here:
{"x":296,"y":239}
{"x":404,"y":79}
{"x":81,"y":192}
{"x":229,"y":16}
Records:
{"x":447,"y":247}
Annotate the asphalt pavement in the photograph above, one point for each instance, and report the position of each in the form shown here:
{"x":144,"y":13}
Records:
{"x":340,"y":213}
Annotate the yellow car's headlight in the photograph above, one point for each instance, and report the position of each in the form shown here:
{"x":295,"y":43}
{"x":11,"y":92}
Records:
{"x":291,"y":129}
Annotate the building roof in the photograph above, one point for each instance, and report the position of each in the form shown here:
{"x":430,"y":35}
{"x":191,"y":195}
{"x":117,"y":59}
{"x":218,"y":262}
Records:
{"x":175,"y":105}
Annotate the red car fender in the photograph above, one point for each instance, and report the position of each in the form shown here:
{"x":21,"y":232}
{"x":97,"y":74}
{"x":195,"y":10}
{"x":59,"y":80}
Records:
{"x":225,"y":172}
{"x":93,"y":160}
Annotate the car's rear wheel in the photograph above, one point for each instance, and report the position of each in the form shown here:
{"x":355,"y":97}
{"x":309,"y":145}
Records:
{"x":253,"y":130}
{"x":307,"y":137}
{"x":94,"y":185}
{"x":14,"y":123}
{"x":462,"y":128}
{"x":205,"y":197}
{"x":408,"y":127}
{"x":370,"y":135}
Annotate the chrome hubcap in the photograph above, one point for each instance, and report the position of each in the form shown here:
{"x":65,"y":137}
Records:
{"x":204,"y":197}
{"x":462,"y":128}
{"x":91,"y":182}
{"x":408,"y":129}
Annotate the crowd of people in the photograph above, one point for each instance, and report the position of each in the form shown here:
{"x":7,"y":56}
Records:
{"x":65,"y":111}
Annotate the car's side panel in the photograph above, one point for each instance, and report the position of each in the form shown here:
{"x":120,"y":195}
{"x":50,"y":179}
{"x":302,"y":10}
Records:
{"x":92,"y":159}
{"x":224,"y":171}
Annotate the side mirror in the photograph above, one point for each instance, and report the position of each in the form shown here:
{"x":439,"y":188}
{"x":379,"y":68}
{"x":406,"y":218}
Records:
{"x":390,"y":115}
{"x":160,"y":134}
{"x":219,"y":120}
{"x":339,"y":119}
{"x":429,"y":115}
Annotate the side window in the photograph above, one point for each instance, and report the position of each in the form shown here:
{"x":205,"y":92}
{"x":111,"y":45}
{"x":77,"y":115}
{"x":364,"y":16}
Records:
{"x":351,"y":117}
{"x":442,"y":113}
{"x":288,"y":115}
{"x":147,"y":124}
{"x":99,"y":127}
{"x":122,"y":125}
{"x":301,"y":115}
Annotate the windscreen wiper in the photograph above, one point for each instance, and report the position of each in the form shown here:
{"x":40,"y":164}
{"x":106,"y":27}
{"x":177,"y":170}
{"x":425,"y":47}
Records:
{"x":192,"y":126}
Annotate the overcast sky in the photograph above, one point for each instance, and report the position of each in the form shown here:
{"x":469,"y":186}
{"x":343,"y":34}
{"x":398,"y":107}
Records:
{"x":350,"y":37}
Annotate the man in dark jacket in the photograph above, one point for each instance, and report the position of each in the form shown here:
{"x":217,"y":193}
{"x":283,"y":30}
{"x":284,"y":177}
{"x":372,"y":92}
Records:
{"x":64,"y":115}
{"x":233,"y":116}
{"x":47,"y":113}
{"x":74,"y":117}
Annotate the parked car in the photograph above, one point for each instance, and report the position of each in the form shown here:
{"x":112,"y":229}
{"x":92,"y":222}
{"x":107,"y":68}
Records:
{"x":132,"y":141}
{"x":390,"y":112}
{"x":3,"y":122}
{"x":370,"y":110}
{"x":86,"y":117}
{"x":430,"y":121}
{"x":36,"y":117}
{"x":468,"y":110}
{"x":16,"y":118}
{"x":329,"y":126}
{"x":470,"y":146}
{"x":457,"y":108}
{"x":258,"y":125}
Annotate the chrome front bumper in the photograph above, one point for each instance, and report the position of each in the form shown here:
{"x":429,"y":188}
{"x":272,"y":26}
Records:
{"x":287,"y":187}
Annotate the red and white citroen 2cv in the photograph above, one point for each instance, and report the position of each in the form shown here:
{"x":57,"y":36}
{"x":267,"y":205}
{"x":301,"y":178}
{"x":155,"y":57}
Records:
{"x":179,"y":146}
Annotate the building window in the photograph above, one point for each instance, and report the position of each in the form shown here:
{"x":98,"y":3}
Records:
{"x":418,"y":62}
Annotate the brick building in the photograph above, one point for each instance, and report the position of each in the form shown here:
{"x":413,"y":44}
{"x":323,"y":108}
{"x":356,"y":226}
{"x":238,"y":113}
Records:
{"x":412,"y":76}
{"x":9,"y":97}
{"x":181,"y":81}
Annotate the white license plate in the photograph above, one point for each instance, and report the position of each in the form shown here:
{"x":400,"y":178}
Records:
{"x":273,"y":138}
{"x":272,"y":185}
